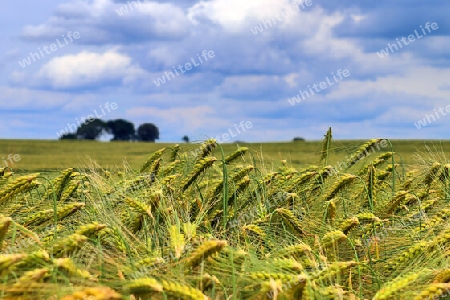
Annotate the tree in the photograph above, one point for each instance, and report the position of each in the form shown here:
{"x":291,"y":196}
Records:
{"x":122,"y":130}
{"x":92,"y":130}
{"x":298,"y":139}
{"x":148,"y":132}
{"x":185,"y":139}
{"x":69,"y":136}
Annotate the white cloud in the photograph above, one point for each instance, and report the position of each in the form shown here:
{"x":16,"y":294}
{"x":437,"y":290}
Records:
{"x":87,"y":68}
{"x":235,"y":15}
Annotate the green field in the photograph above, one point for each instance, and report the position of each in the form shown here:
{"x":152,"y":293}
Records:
{"x":134,"y":221}
{"x":39,"y":155}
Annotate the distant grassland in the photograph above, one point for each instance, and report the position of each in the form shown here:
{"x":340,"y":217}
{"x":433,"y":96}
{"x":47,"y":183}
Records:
{"x":43,"y":155}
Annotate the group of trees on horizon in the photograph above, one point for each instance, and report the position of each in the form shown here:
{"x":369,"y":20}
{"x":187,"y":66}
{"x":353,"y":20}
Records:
{"x":122,"y":130}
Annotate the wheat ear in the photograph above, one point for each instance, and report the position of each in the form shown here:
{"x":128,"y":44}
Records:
{"x":152,"y":159}
{"x":394,"y":288}
{"x":198,"y":169}
{"x":344,"y":182}
{"x":204,"y":251}
{"x":4,"y":225}
{"x":18,"y":186}
{"x":238,"y":153}
{"x":97,"y":293}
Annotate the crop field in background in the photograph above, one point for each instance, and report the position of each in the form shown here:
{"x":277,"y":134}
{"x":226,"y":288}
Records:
{"x":300,"y":220}
{"x":56,"y":155}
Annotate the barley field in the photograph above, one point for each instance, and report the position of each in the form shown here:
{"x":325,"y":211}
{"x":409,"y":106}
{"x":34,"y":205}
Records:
{"x":301,"y":220}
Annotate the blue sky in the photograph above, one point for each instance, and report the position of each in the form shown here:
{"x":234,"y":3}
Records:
{"x":263,"y":54}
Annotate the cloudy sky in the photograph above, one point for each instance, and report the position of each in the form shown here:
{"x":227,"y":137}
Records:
{"x":197,"y":68}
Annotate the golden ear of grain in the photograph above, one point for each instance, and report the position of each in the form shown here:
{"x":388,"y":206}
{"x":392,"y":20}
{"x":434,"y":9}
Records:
{"x":205,"y":149}
{"x":7,"y":261}
{"x":33,"y":276}
{"x":4,"y":176}
{"x":149,"y":262}
{"x":209,"y":281}
{"x":67,"y":266}
{"x":296,"y":184}
{"x":444,"y":176}
{"x":171,"y":168}
{"x":238,"y":153}
{"x":344,"y":182}
{"x":332,"y":271}
{"x":333,"y":238}
{"x":443,"y":276}
{"x":90,"y":230}
{"x":432,"y":174}
{"x":362,"y":152}
{"x":97,"y":293}
{"x":48,"y":215}
{"x":408,"y":255}
{"x":182,"y":291}
{"x":156,"y":155}
{"x":240,"y":187}
{"x":290,"y":220}
{"x":287,"y":264}
{"x":143,"y":286}
{"x":174,"y":153}
{"x":330,"y":207}
{"x":59,"y":184}
{"x":376,"y":162}
{"x":254,"y":229}
{"x":394,"y":288}
{"x":395,"y":202}
{"x":139,"y":206}
{"x":367,"y":217}
{"x":198,"y":169}
{"x":154,"y":168}
{"x":4,"y":225}
{"x":296,"y":250}
{"x":205,"y":250}
{"x":349,"y":224}
{"x":440,"y":217}
{"x":19,"y":185}
{"x":241,"y":173}
{"x":68,"y":245}
{"x":434,"y":291}
{"x":70,"y":190}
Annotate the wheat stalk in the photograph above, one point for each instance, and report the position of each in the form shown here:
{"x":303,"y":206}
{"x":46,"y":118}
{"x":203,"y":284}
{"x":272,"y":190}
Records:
{"x":326,"y":146}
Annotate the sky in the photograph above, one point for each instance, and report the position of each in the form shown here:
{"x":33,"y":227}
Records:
{"x":257,"y":70}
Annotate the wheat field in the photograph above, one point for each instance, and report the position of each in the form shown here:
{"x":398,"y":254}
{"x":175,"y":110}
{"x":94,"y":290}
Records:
{"x":314,"y":220}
